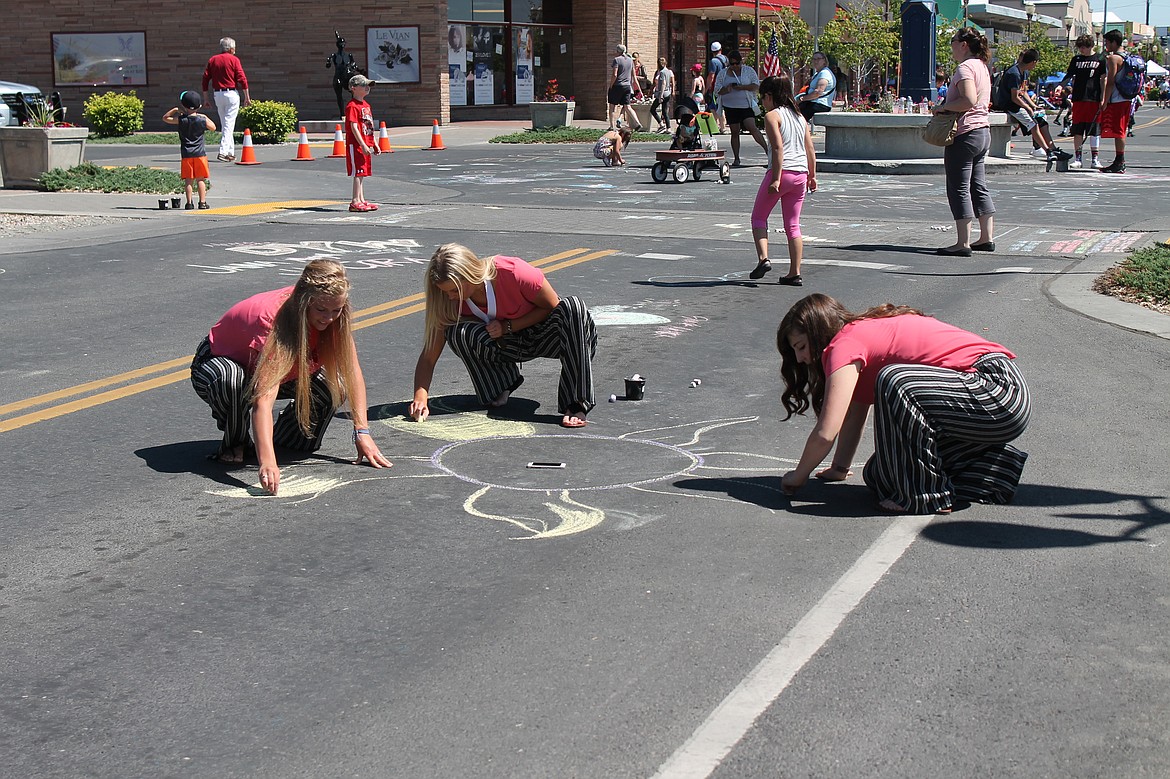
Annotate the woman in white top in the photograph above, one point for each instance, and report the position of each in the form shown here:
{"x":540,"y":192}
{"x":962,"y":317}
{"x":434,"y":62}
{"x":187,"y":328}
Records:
{"x":792,"y":170}
{"x":736,"y":86}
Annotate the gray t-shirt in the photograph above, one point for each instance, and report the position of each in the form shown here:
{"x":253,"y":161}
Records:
{"x":191,"y":129}
{"x":625,"y":69}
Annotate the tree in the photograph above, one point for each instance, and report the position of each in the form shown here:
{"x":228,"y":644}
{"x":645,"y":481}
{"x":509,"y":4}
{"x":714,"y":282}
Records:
{"x":793,"y":38}
{"x":1053,"y":58}
{"x":861,"y":40}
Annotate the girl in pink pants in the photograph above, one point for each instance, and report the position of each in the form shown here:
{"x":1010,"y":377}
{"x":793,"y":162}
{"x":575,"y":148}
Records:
{"x":792,"y":170}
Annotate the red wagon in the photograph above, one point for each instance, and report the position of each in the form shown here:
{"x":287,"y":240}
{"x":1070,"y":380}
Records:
{"x":683,"y":166}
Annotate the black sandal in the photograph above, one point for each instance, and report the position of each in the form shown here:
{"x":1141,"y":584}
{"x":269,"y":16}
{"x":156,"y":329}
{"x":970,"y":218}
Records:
{"x":791,"y":281}
{"x":762,"y":267}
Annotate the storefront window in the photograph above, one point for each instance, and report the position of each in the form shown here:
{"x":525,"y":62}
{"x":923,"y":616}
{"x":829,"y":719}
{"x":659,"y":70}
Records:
{"x":507,"y":64}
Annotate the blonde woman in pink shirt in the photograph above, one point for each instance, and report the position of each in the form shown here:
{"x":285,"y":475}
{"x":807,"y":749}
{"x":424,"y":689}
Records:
{"x":969,"y":95}
{"x":946,"y":403}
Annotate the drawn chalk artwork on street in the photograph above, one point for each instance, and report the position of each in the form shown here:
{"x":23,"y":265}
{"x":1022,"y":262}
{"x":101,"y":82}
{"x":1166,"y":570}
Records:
{"x":488,"y":453}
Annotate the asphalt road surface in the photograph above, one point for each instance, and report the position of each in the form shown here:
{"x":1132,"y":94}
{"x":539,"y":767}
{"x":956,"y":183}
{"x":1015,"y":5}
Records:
{"x":656,"y":607}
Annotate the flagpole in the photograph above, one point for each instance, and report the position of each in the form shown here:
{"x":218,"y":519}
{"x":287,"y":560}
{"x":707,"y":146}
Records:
{"x":758,"y":63}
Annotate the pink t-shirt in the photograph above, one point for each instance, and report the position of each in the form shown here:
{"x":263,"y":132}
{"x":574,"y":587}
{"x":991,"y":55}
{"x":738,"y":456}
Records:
{"x":908,"y":339}
{"x":240,"y":334}
{"x":515,"y":287}
{"x":973,"y":69}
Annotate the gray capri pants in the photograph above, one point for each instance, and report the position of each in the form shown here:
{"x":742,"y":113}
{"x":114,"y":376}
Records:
{"x":963,"y":160}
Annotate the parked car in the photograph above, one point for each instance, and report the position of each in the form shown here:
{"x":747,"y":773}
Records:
{"x":15,"y":101}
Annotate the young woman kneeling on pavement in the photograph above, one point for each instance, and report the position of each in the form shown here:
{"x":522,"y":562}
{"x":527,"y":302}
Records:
{"x":946,"y":404}
{"x":293,"y":343}
{"x":496,"y":313}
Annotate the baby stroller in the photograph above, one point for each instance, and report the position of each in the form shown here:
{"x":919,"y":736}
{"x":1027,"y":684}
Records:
{"x":693,"y":150}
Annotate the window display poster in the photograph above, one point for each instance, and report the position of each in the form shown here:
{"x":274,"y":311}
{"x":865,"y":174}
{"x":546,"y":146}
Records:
{"x":485,"y":83}
{"x":524,"y":76}
{"x":457,"y":63}
{"x":99,"y":58}
{"x":392,"y":54}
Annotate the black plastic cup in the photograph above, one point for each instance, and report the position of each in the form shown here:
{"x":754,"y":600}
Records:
{"x":162,"y":205}
{"x":635,"y":389}
{"x":175,"y":202}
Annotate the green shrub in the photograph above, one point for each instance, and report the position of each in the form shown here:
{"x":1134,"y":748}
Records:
{"x":1147,"y":273}
{"x":114,"y":113}
{"x":88,"y":177}
{"x":269,"y":120}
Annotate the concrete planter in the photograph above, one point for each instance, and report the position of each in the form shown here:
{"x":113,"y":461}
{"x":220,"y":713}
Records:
{"x":879,"y":136}
{"x":551,"y":114}
{"x":27,"y":152}
{"x":642,"y":111}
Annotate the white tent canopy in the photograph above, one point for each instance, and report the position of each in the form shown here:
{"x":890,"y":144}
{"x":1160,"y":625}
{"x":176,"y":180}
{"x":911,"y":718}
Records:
{"x":1154,"y":69}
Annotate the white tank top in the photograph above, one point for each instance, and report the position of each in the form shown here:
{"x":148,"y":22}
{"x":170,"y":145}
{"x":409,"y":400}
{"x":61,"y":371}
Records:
{"x":792,"y":130}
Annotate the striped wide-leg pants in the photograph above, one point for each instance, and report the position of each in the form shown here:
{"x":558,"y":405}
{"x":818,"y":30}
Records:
{"x":942,"y":435}
{"x":222,"y":383}
{"x":568,"y":334}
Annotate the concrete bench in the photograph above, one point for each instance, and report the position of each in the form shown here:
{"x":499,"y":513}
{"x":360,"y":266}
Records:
{"x":876,"y":136}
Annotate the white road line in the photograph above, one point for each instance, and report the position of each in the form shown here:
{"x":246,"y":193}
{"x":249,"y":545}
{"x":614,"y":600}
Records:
{"x":717,"y":736}
{"x":1014,"y":269}
{"x":653,"y":256}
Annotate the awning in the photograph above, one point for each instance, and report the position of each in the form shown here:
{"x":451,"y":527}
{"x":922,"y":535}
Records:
{"x":719,"y":9}
{"x":1154,"y":69}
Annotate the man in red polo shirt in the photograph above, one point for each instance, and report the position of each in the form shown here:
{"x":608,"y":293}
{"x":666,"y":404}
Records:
{"x":224,"y":74}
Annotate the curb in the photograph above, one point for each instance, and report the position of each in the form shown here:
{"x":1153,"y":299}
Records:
{"x":1072,"y":290}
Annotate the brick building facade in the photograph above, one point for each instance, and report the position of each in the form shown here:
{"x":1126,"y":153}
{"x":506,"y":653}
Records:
{"x":284,"y":46}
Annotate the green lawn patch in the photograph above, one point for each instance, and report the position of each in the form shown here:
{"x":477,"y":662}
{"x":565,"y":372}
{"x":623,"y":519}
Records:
{"x":567,"y":135}
{"x":1142,"y":278}
{"x":88,"y":177}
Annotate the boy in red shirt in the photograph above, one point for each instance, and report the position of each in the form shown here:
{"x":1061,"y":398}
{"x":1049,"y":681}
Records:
{"x":359,"y":141}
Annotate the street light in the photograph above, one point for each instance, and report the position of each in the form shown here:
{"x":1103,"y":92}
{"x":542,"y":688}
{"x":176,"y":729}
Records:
{"x":1068,"y":29}
{"x":1097,"y":34}
{"x":1030,"y":9}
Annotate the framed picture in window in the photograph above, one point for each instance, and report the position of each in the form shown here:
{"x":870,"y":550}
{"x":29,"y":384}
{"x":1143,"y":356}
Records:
{"x":99,"y":59}
{"x":392,"y":55}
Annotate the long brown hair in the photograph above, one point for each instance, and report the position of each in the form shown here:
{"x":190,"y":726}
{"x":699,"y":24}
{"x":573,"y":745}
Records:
{"x":819,"y":318}
{"x":287,"y":345}
{"x":780,"y":88}
{"x":976,"y":42}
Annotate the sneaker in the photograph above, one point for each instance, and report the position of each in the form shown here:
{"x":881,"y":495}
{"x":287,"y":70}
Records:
{"x":224,"y":157}
{"x":1076,"y":164}
{"x":1114,"y":167}
{"x":1040,"y":154}
{"x":1059,"y":154}
{"x":1096,"y":162}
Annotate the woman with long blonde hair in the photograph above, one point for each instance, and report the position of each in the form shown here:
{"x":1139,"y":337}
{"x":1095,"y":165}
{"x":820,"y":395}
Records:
{"x":946,"y":404}
{"x":497,"y":312}
{"x":296,"y":343}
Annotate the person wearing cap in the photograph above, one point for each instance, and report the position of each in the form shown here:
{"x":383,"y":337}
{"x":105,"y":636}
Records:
{"x":717,"y":63}
{"x":192,"y":151}
{"x":225,"y":74}
{"x":697,"y":86}
{"x":359,"y":141}
{"x":621,"y":91}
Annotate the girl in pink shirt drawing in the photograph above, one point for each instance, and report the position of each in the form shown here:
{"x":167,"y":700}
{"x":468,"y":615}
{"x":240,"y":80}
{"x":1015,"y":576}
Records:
{"x":946,"y":404}
{"x":496,"y":313}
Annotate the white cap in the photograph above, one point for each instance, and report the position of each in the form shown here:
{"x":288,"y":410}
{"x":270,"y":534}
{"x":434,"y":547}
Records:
{"x":716,"y":46}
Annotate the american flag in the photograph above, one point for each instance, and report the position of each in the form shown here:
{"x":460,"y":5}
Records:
{"x":771,"y":65}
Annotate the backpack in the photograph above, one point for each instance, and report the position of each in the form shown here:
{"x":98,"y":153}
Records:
{"x":997,"y":99}
{"x":1130,"y":76}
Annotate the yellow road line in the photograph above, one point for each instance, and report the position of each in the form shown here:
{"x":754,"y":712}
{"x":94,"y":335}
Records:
{"x":268,"y":208}
{"x":548,"y":264}
{"x":41,"y":400}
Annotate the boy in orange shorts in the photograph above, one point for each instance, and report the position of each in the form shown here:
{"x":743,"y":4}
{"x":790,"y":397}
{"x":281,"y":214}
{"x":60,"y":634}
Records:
{"x":359,"y":141}
{"x":192,"y":126}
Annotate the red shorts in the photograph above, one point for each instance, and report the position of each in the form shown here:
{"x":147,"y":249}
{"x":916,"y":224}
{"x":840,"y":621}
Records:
{"x":357,"y":162}
{"x":194,"y":168}
{"x":1115,"y":120}
{"x":1084,"y":111}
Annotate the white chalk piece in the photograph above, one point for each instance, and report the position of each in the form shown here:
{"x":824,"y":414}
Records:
{"x":693,"y":385}
{"x":636,"y":377}
{"x":545,"y":465}
{"x":697,"y":381}
{"x":613,"y":398}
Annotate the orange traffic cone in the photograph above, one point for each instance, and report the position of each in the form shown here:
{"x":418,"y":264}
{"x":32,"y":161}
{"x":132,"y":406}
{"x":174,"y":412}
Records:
{"x":248,"y":154}
{"x":303,"y":152}
{"x":384,"y":140}
{"x":436,"y":139}
{"x":338,"y":142}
